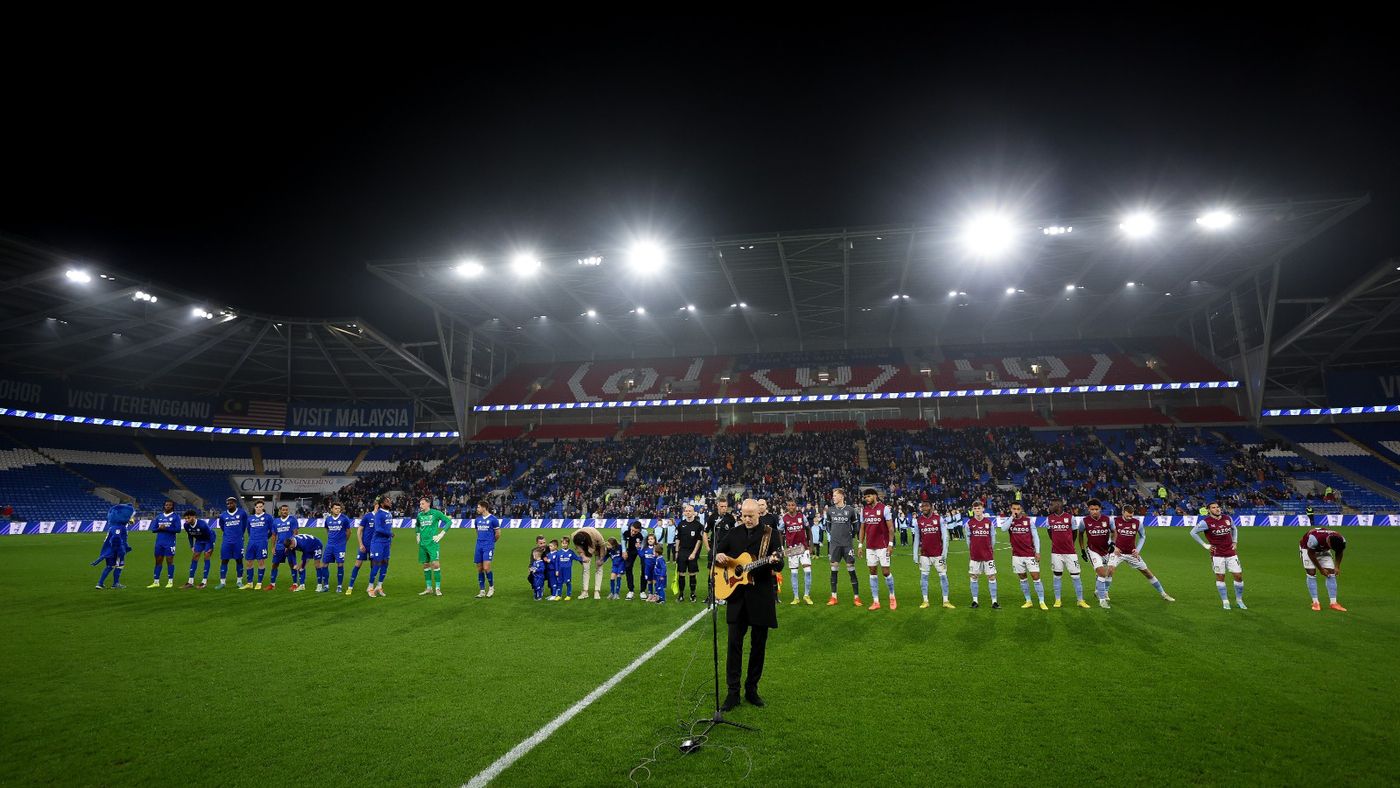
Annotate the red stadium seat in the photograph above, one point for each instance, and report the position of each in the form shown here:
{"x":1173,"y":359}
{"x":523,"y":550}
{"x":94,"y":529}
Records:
{"x":645,"y":428}
{"x":824,"y":426}
{"x":1110,"y":417}
{"x":1206,"y":414}
{"x":573,"y":431}
{"x":756,"y":429}
{"x":500,"y":432}
{"x":896,"y":424}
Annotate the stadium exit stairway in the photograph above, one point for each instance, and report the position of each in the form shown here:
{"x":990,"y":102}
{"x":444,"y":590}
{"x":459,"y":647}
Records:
{"x":862,"y":456}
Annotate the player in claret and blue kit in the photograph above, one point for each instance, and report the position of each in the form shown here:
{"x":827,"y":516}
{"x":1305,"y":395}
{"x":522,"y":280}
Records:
{"x":167,"y":528}
{"x":337,"y":526}
{"x":1223,"y":539}
{"x":201,"y":538}
{"x":284,"y":525}
{"x":233,"y":521}
{"x":115,"y":545}
{"x":488,"y":529}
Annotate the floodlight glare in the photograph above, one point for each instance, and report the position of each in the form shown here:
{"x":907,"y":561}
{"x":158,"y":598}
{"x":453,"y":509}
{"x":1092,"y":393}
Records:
{"x":468,"y":269}
{"x":1069,"y":287}
{"x":952,"y":293}
{"x":1138,"y":225}
{"x":641,"y":310}
{"x":1010,"y":291}
{"x":690,"y":307}
{"x":592,"y":313}
{"x":743,"y":305}
{"x":646,"y":257}
{"x":1216,"y":220}
{"x":81,"y":277}
{"x":989,"y":235}
{"x":525,"y":264}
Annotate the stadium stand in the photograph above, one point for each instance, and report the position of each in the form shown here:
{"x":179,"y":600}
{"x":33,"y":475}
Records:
{"x":1110,"y":417}
{"x":500,"y":432}
{"x":825,"y":426}
{"x":645,"y":428}
{"x":573,"y":431}
{"x":1206,"y":414}
{"x":756,"y":428}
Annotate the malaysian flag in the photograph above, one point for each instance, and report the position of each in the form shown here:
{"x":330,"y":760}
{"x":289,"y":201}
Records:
{"x":252,"y":414}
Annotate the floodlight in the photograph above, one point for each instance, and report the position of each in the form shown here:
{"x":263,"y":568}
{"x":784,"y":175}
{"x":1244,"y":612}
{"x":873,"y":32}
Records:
{"x":525,"y":264}
{"x":468,"y":269}
{"x":1138,"y":225}
{"x":989,"y":235}
{"x":646,"y":257}
{"x":1216,"y":220}
{"x":81,"y":277}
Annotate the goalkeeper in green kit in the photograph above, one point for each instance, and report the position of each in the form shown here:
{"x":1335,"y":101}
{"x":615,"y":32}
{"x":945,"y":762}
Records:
{"x":431,"y":527}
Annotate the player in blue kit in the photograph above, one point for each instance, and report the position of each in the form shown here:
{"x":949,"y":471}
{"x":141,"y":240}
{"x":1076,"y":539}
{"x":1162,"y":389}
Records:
{"x":311,"y":550}
{"x":382,"y":533}
{"x":201,"y":545}
{"x":539,"y":571}
{"x":364,"y":534}
{"x":488,"y":529}
{"x":115,"y":545}
{"x":259,"y":532}
{"x":284,"y":525}
{"x":658,"y":577}
{"x":233,"y":521}
{"x":564,"y":559}
{"x":337,"y":526}
{"x":167,"y":528}
{"x":618,"y":566}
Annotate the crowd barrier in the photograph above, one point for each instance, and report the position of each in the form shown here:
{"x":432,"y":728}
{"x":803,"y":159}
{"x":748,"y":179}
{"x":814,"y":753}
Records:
{"x":1189,"y":521}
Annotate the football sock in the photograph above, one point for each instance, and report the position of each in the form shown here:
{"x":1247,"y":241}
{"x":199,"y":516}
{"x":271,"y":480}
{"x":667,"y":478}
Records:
{"x":943,"y":581}
{"x":437,"y":578}
{"x":1056,"y":583}
{"x":1078,"y":586}
{"x":223,"y":571}
{"x":855,"y":584}
{"x":491,"y":579}
{"x":157,"y":573}
{"x":874,"y":588}
{"x":923,"y":583}
{"x":1220,"y":589}
{"x":1331,"y":587}
{"x":992,"y":588}
{"x":975,"y":582}
{"x":1026,"y":590}
{"x":117,"y":577}
{"x":1312,"y":586}
{"x":481,"y":580}
{"x":1157,"y":584}
{"x":106,"y":572}
{"x":194,"y":564}
{"x":889,"y":583}
{"x":427,"y":576}
{"x":794,"y":584}
{"x":1040,"y":591}
{"x":261,"y":574}
{"x":806,"y":582}
{"x":1239,"y":590}
{"x":340,"y":574}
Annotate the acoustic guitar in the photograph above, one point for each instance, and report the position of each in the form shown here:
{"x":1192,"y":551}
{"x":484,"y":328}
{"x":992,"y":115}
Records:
{"x":729,"y":578}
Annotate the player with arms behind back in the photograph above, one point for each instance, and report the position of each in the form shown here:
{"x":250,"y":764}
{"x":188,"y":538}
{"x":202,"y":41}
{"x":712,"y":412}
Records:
{"x":931,"y":550}
{"x":795,"y":535}
{"x":1025,"y":553}
{"x":1063,"y":557}
{"x":1222,"y":537}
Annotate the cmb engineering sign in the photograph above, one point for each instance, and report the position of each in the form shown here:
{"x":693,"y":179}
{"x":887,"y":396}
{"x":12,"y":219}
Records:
{"x":274,"y":485}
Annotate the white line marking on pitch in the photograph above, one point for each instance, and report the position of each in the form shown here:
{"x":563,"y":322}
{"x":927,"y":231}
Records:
{"x":518,"y":751}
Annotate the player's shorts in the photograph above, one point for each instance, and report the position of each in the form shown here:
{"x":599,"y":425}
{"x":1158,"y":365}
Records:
{"x":938,"y":563}
{"x":335,"y":555}
{"x":483,"y":553}
{"x":429,"y":552}
{"x":1222,"y":565}
{"x":877,"y":556}
{"x":231,"y":551}
{"x":362,"y":555}
{"x":1323,"y":559}
{"x":280,"y":555}
{"x":1021,"y":564}
{"x":163,"y":550}
{"x":841,"y":553}
{"x":203,"y":547}
{"x":802,"y":559}
{"x":379,"y":550}
{"x":1135,"y":561}
{"x":115,"y":563}
{"x":1097,"y":560}
{"x":1064,"y":562}
{"x":688,"y":565}
{"x":982,"y":567}
{"x":318,"y":554}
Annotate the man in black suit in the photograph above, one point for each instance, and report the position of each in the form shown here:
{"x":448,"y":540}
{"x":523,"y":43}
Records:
{"x":752,"y":608}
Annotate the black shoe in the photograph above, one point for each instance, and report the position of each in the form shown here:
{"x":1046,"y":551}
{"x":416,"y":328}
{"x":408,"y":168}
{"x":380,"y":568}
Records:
{"x":996,"y":606}
{"x":753,"y":699}
{"x":692,"y":597}
{"x":975,"y":605}
{"x":731,"y":702}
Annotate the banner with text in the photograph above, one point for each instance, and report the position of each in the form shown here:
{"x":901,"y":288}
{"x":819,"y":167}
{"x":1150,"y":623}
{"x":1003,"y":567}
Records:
{"x":276,"y":485}
{"x":1363,"y":386}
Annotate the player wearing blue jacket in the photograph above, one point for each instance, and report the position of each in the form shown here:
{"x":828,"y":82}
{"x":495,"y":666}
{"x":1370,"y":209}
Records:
{"x":337,"y":526}
{"x":167,"y":528}
{"x":658,"y":578}
{"x":115,"y":545}
{"x":284,"y":525}
{"x":233,"y":521}
{"x":201,"y":545}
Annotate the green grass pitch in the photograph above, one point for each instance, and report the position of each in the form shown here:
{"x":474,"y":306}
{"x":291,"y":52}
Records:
{"x":234,"y":688}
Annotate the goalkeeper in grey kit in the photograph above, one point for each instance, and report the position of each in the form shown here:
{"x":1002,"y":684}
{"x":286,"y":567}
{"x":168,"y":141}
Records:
{"x":842,"y":526}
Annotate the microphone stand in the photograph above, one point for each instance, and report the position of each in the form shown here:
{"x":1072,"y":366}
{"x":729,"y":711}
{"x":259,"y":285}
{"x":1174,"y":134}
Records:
{"x":695,"y":741}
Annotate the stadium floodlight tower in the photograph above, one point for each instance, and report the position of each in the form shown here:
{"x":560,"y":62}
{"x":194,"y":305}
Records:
{"x":646,"y":257}
{"x":1139,"y":224}
{"x":989,"y":235}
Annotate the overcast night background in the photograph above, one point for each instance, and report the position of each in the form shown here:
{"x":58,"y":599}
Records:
{"x":265,"y":173}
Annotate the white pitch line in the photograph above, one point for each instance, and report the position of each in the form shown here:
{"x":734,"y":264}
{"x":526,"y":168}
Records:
{"x":518,"y":751}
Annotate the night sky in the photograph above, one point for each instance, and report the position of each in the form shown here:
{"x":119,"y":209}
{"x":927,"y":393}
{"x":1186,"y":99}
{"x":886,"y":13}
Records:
{"x":266,"y":171}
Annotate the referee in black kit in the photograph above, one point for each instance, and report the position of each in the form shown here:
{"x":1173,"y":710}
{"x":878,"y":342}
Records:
{"x":752,"y":608}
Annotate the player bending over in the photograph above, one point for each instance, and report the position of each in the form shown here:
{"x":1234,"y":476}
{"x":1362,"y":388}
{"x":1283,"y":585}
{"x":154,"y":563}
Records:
{"x":311,"y":550}
{"x":1322,"y":549}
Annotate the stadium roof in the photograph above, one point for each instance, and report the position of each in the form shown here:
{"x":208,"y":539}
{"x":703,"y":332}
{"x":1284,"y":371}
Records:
{"x":104,"y":331}
{"x":868,"y":287}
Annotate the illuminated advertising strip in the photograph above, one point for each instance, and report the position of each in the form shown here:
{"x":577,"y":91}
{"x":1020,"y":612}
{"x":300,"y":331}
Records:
{"x":871,"y":397}
{"x":1331,"y":411}
{"x":153,"y":425}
